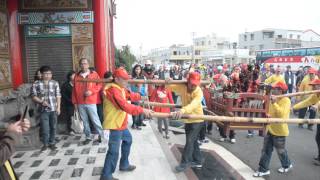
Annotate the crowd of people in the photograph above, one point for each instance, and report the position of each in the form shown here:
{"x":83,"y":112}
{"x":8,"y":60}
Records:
{"x":108,"y":107}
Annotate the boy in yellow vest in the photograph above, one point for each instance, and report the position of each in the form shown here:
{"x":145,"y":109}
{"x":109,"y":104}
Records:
{"x":115,"y":112}
{"x":277,"y":132}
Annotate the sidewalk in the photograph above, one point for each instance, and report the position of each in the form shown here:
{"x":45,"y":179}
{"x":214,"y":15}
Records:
{"x":72,"y":160}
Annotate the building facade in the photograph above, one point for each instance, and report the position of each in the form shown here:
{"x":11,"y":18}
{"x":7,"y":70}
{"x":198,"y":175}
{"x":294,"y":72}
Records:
{"x":212,"y":49}
{"x":56,"y":33}
{"x":277,"y":39}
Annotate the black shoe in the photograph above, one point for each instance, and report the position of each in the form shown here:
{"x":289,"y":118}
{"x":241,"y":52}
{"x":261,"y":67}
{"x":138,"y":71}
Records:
{"x":209,"y":132}
{"x":130,"y":168}
{"x":166,"y":136}
{"x":181,"y":168}
{"x":138,"y":128}
{"x":44,"y":148}
{"x":143,"y":124}
{"x":87,"y":141}
{"x":53,"y":147}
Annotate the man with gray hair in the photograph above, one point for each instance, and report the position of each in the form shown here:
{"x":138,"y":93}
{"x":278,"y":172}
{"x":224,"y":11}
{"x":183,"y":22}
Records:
{"x":85,"y":97}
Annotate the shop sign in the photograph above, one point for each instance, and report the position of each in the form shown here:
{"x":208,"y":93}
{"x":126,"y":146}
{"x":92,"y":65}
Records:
{"x":47,"y":30}
{"x":56,"y":17}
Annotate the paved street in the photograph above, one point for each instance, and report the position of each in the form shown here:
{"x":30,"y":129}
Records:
{"x":301,"y":148}
{"x":75,"y":161}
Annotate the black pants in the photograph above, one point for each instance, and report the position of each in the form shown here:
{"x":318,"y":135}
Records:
{"x":290,"y":87}
{"x":69,"y":114}
{"x":318,"y":139}
{"x":202,"y":133}
{"x":222,"y":134}
{"x":191,"y":151}
{"x":302,"y":114}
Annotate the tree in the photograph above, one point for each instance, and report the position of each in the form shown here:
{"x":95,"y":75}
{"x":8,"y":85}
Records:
{"x":124,"y":57}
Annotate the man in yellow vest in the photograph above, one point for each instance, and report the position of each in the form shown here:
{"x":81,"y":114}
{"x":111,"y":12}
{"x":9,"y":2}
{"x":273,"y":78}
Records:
{"x":115,"y":111}
{"x":305,"y":86}
{"x":191,"y":97}
{"x":7,"y":148}
{"x":313,"y":101}
{"x":276,"y":132}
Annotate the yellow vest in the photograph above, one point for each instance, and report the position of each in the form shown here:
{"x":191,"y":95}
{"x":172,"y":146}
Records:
{"x":10,"y":170}
{"x":113,"y":117}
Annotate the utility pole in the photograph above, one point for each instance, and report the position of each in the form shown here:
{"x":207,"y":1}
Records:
{"x":193,"y":52}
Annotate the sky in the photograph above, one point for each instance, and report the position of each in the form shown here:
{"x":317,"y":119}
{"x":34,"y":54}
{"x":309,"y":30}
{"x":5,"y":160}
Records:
{"x":161,"y":23}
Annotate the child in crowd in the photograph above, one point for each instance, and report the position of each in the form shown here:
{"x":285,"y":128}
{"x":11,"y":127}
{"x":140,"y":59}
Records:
{"x":162,"y":95}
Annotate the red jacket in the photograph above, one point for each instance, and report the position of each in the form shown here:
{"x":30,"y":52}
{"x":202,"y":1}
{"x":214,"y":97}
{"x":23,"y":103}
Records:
{"x":161,"y":95}
{"x":79,"y":89}
{"x":114,"y":95}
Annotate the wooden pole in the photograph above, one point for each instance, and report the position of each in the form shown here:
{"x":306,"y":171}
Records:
{"x":142,"y":81}
{"x":239,"y":119}
{"x":298,"y":94}
{"x":157,"y":104}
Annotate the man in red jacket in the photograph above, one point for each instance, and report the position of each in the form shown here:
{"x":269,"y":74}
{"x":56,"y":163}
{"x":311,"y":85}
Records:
{"x":85,"y":97}
{"x":115,"y":111}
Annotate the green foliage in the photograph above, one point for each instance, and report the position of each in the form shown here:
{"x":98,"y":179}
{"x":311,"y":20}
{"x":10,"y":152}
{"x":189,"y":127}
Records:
{"x":124,"y":57}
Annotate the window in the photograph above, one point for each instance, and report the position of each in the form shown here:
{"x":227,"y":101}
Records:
{"x":288,"y":52}
{"x":187,"y":52}
{"x":290,"y":36}
{"x":197,"y":52}
{"x":299,"y":52}
{"x":298,"y":36}
{"x":258,"y":53}
{"x":209,"y":43}
{"x":202,"y":43}
{"x":252,"y":37}
{"x":276,"y":53}
{"x":174,"y":52}
{"x":266,"y":54}
{"x":313,"y":51}
{"x":279,"y":36}
{"x":245,"y":37}
{"x":245,"y":47}
{"x":261,"y":46}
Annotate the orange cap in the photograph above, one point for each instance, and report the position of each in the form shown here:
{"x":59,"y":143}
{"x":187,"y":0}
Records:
{"x":121,"y":73}
{"x":194,"y":78}
{"x":315,"y":82}
{"x":280,"y":85}
{"x":312,"y":71}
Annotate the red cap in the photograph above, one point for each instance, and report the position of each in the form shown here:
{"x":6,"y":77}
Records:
{"x":280,"y":85}
{"x":194,"y":78}
{"x":315,"y":82}
{"x":312,"y":71}
{"x":121,"y":73}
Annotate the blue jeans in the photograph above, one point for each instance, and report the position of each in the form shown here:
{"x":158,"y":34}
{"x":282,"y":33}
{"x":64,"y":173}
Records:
{"x":89,"y":112}
{"x":279,"y":143}
{"x":112,"y":156}
{"x":191,"y":151}
{"x":48,"y":123}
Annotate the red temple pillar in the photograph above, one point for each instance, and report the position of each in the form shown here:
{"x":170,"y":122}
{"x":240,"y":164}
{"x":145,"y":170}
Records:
{"x":15,"y":44}
{"x":100,"y":36}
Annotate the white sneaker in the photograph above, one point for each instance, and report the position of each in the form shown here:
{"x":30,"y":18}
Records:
{"x":260,"y":174}
{"x":221,"y":139}
{"x":285,"y":170}
{"x":233,"y":141}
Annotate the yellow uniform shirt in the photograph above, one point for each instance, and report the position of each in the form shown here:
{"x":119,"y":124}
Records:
{"x":274,"y":79}
{"x":304,"y":86}
{"x":191,"y":102}
{"x":280,"y":109}
{"x":311,"y":100}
